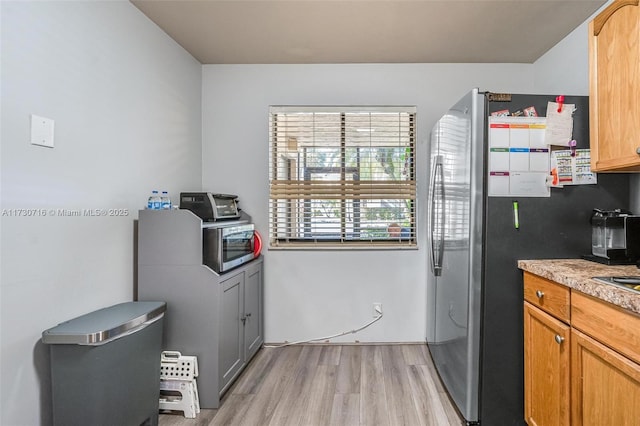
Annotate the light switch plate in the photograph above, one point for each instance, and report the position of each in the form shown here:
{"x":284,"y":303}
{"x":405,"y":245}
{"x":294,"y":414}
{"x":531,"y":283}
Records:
{"x":41,"y":131}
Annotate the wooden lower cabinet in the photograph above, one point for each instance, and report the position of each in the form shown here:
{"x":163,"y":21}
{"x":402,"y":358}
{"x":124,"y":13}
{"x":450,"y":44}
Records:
{"x":605,"y":385}
{"x":546,"y":380}
{"x":582,"y":365}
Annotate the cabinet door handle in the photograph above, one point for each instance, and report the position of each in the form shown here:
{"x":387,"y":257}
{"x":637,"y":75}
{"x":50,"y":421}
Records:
{"x":245,"y":318}
{"x":539,"y":294}
{"x":559,"y":339}
{"x":638,"y":150}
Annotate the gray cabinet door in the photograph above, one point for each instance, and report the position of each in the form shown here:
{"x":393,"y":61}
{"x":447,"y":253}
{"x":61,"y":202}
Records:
{"x":252,"y":310}
{"x":230,"y":328}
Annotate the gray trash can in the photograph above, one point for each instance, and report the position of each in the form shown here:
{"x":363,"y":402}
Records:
{"x":105,"y":366}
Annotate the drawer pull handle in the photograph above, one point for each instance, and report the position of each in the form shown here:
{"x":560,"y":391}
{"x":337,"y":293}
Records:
{"x":638,"y":150}
{"x":539,"y":294}
{"x":559,"y":339}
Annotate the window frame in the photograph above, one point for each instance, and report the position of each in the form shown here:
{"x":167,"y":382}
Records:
{"x":284,"y":168}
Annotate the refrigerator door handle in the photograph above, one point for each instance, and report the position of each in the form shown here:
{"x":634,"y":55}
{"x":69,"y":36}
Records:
{"x":437,"y":216}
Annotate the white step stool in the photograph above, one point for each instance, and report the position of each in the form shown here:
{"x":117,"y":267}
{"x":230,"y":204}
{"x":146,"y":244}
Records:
{"x":178,"y":387}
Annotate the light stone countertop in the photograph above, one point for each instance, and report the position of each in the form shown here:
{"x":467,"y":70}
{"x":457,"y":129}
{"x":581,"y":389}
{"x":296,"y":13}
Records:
{"x":577,"y":273}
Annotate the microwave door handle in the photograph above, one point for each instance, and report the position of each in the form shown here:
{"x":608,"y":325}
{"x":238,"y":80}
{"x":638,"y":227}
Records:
{"x":437,"y":217}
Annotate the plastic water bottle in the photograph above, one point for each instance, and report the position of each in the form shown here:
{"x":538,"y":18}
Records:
{"x":165,"y":201}
{"x":150,"y":200}
{"x":154,"y":202}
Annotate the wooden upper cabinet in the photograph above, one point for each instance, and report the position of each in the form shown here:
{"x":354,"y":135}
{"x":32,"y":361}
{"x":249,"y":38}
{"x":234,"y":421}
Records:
{"x":614,"y":58}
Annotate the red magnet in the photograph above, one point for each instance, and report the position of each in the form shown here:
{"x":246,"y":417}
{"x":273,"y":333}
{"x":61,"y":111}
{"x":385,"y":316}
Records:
{"x":560,"y":101}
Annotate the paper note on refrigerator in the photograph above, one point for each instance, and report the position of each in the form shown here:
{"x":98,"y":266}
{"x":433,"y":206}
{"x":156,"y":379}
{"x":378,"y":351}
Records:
{"x":559,"y":123}
{"x":519,"y":157}
{"x":573,"y":169}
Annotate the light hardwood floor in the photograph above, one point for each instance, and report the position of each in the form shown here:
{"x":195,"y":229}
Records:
{"x":317,"y":385}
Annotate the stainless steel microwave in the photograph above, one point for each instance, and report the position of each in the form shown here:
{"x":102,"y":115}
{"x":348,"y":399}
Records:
{"x":227,"y":247}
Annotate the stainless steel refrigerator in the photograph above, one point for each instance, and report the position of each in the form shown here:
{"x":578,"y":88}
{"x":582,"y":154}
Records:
{"x":474,"y":288}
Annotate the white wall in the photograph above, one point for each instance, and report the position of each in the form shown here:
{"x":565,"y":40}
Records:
{"x":126,"y":101}
{"x":565,"y":70}
{"x":317,"y":293}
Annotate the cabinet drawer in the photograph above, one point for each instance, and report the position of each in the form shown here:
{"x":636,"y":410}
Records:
{"x":607,"y":323}
{"x":551,"y":297}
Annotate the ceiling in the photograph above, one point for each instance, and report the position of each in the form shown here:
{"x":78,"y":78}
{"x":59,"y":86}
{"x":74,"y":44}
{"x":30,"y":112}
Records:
{"x":367,"y":31}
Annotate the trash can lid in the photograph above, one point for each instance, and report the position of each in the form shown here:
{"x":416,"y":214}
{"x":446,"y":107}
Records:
{"x":109,"y":323}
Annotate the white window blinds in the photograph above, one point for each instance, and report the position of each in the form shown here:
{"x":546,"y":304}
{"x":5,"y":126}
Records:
{"x":342,"y":177}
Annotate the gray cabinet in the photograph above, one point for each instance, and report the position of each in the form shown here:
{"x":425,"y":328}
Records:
{"x":231,"y":342}
{"x":216,"y":317}
{"x":253,"y":326}
{"x":240,"y":321}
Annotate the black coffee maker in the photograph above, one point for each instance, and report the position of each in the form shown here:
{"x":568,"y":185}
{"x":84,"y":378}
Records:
{"x":615,"y":237}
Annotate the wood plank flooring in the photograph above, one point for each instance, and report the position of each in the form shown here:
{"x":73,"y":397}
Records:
{"x":317,"y":385}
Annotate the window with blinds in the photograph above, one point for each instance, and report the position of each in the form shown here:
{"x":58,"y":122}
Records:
{"x":342,"y":177}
